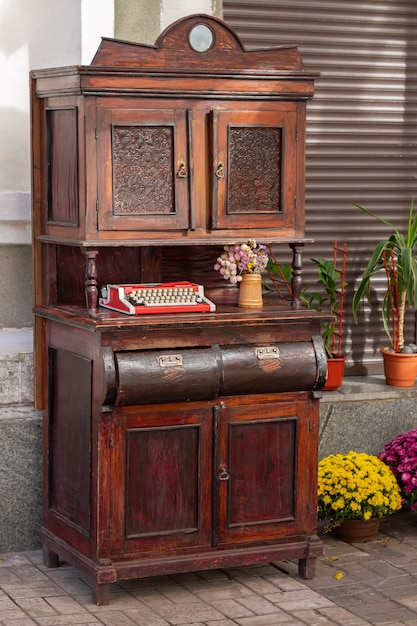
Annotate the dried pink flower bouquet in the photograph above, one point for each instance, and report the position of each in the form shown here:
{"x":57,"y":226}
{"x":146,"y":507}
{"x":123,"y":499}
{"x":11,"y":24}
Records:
{"x":242,"y":258}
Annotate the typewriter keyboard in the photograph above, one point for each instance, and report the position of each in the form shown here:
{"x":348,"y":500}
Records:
{"x":164,"y":296}
{"x":145,"y":299}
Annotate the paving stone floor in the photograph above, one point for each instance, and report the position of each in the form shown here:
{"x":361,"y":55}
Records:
{"x":375,"y":583}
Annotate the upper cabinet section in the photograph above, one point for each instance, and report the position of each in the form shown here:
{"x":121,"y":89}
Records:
{"x":193,"y":140}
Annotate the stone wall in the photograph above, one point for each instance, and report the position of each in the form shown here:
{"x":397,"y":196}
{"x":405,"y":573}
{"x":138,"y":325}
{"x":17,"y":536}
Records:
{"x":20,"y":444}
{"x":364,"y":414}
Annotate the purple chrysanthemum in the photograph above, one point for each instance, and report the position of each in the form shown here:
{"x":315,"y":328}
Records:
{"x":400,"y":454}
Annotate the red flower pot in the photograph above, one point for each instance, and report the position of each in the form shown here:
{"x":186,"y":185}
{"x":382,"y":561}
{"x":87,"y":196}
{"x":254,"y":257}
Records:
{"x":335,"y":373}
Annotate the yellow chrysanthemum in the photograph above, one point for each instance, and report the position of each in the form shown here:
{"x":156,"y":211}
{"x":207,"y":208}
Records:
{"x":356,"y":486}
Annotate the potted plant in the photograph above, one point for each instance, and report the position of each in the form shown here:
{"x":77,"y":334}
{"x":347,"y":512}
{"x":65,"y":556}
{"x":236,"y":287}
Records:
{"x":400,"y":454}
{"x":395,"y":256}
{"x":329,"y":296}
{"x":355,"y":491}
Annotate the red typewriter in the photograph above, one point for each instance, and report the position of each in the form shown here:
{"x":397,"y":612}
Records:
{"x":146,"y":299}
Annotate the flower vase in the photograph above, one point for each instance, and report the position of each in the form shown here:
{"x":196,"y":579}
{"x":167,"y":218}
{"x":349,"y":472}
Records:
{"x":357,"y":530}
{"x":250,"y":291}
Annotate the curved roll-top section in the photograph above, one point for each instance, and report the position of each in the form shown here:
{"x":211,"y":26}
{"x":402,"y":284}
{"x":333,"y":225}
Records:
{"x":177,"y":375}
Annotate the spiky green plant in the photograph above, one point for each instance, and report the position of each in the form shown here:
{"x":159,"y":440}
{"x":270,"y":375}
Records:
{"x":329,"y":299}
{"x":397,"y":257}
{"x":326,"y":296}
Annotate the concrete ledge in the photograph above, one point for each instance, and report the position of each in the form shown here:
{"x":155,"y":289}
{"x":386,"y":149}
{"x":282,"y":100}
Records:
{"x":24,"y":412}
{"x":15,"y":218}
{"x":364,"y":414}
{"x":360,"y":388}
{"x":16,"y":341}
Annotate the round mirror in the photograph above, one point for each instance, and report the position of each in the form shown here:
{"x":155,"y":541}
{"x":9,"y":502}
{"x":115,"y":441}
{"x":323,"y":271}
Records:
{"x":201,"y":38}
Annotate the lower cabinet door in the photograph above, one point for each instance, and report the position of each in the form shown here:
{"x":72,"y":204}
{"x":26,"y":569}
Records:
{"x":211,"y":475}
{"x":161,"y":480}
{"x":262,"y":482}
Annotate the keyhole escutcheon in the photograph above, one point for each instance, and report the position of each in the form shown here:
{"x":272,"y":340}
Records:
{"x":224,"y":474}
{"x":220,"y":171}
{"x":182,"y":170}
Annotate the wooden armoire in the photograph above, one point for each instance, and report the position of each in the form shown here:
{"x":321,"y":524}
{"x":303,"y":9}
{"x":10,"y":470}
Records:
{"x":173,"y":442}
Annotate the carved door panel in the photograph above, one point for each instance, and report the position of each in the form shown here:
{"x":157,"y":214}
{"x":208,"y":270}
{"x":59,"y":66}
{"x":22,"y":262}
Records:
{"x":254,"y":168}
{"x":143,"y":180}
{"x":260,"y":471}
{"x":161,"y":487}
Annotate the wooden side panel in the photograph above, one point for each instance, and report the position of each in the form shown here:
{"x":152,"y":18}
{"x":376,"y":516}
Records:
{"x":62,"y":170}
{"x":113,"y":266}
{"x":69,"y":462}
{"x":38,"y":190}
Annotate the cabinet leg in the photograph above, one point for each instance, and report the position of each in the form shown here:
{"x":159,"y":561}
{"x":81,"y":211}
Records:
{"x":50,"y":558}
{"x":307,"y":567}
{"x":101,"y":593}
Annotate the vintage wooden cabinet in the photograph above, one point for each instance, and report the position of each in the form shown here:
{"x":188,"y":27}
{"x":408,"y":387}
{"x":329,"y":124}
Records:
{"x":172,"y":442}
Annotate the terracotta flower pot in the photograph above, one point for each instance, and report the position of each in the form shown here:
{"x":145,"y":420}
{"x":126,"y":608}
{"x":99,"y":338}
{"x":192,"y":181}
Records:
{"x":357,"y":530}
{"x":250,"y":291}
{"x":400,"y":369}
{"x":335,"y":373}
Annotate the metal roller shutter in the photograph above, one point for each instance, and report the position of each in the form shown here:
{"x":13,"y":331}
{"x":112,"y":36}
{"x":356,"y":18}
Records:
{"x":361,"y":129}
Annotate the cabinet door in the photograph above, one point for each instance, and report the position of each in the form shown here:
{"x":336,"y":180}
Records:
{"x":143,"y":180}
{"x":263,"y":475}
{"x":255,"y":169}
{"x":161,"y":492}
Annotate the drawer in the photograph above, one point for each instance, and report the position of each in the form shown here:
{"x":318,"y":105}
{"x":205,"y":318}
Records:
{"x":160,"y":376}
{"x":149,"y":377}
{"x":269,"y":369}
